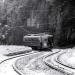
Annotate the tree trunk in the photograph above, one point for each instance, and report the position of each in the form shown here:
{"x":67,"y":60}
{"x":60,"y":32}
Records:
{"x":58,"y":30}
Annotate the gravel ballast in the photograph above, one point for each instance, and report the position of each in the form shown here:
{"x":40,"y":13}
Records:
{"x":34,"y":65}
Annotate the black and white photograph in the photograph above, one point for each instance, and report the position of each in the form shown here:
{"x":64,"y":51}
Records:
{"x":37,"y":37}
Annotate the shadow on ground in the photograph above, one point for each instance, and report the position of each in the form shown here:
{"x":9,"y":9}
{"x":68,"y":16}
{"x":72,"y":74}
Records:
{"x":64,"y":46}
{"x":44,"y":49}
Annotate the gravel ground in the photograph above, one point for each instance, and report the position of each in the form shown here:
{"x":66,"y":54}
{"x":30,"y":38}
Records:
{"x":53,"y":62}
{"x":22,"y":62}
{"x":34,"y":65}
{"x":41,"y":68}
{"x":68,"y":57}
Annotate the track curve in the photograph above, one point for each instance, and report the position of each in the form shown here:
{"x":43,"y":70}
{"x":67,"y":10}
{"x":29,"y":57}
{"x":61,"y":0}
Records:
{"x":6,"y":65}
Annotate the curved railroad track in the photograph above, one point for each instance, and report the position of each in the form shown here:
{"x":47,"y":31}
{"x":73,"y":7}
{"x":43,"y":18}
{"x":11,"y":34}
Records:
{"x":6,"y":65}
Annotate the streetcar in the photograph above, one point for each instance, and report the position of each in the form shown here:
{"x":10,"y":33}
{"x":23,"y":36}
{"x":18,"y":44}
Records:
{"x":39,"y":41}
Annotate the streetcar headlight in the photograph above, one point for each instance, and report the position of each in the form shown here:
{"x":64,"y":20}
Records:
{"x":45,"y":44}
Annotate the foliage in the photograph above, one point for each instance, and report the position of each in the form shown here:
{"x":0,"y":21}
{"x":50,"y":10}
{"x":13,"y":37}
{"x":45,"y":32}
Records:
{"x":45,"y":15}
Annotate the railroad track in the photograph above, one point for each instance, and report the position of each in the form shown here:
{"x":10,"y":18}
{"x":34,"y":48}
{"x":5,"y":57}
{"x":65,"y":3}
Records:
{"x":6,"y":65}
{"x":53,"y":62}
{"x":26,"y":69}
